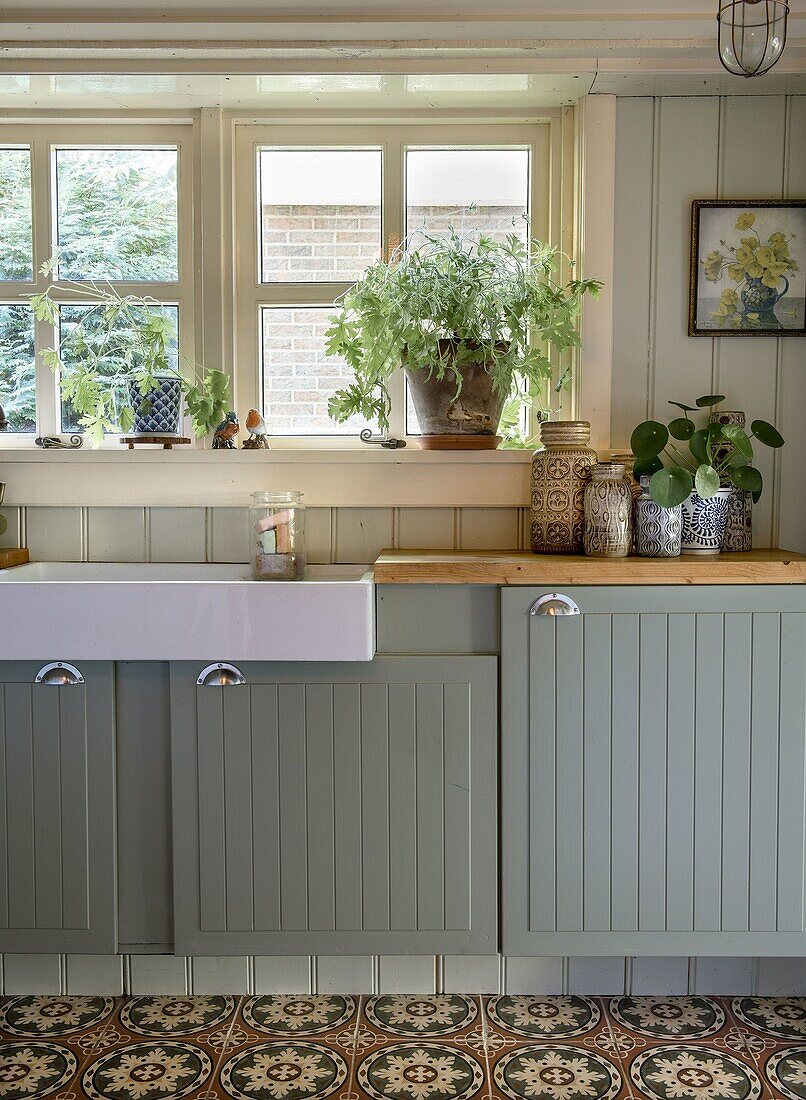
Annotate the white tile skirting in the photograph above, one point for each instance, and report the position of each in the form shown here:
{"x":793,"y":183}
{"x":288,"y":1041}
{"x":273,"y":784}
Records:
{"x":155,"y":974}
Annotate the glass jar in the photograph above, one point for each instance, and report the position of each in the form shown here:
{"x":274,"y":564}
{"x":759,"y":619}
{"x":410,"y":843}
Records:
{"x":277,"y":536}
{"x":608,"y":512}
{"x":560,"y":472}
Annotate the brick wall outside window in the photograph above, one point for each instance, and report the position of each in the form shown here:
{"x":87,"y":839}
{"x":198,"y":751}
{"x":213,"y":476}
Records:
{"x":329,"y":244}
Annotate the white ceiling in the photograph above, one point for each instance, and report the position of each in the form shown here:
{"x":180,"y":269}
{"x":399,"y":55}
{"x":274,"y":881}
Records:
{"x":558,"y":46}
{"x":383,"y":9}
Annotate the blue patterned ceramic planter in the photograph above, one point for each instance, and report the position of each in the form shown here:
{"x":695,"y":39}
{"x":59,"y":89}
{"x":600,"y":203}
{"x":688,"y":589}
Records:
{"x":658,"y":530}
{"x":704,"y":522}
{"x":158,"y":412}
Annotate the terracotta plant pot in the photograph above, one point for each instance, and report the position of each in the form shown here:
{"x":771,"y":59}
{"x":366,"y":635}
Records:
{"x":475,"y":412}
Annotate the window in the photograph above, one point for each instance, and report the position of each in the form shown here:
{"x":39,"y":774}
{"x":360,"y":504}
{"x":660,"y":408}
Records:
{"x":315,"y":208}
{"x":114,"y":204}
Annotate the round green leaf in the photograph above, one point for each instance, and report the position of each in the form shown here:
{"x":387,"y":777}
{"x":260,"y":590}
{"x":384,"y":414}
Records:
{"x":646,"y":466}
{"x":767,"y":434}
{"x":671,"y":486}
{"x":685,"y":408}
{"x":739,"y":440}
{"x":706,"y":481}
{"x":681,"y":428}
{"x":709,"y":400}
{"x":698,"y":445}
{"x":649,"y":439}
{"x":747,"y":478}
{"x":737,"y":459}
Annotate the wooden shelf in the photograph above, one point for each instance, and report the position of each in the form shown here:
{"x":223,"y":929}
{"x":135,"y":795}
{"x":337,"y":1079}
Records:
{"x":10,"y":558}
{"x":495,"y":567}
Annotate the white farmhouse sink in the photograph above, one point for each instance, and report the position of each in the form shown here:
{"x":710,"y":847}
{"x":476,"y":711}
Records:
{"x":88,"y":611}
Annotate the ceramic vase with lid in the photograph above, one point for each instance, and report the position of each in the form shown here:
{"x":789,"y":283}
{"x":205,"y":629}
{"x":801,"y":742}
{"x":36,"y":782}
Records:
{"x":739,"y":526}
{"x":608,"y":512}
{"x":658,"y":530}
{"x":560,"y":471}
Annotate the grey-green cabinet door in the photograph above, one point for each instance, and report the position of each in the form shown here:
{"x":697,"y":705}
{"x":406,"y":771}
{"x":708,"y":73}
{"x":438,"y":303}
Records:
{"x":57,"y":818}
{"x":329,"y":808}
{"x":653,"y":772}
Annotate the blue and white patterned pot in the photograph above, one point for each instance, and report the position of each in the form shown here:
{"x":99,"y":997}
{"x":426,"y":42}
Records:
{"x":704,"y":522}
{"x":658,"y":530}
{"x":157,"y":413}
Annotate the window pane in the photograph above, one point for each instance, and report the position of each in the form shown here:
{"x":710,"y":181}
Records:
{"x":298,"y":377}
{"x":16,"y":247}
{"x":117,"y":214}
{"x":17,"y":368}
{"x":111,"y":353}
{"x":474,"y":190}
{"x":320,"y":214}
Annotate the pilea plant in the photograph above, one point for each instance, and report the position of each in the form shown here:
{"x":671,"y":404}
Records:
{"x":707,"y":458}
{"x":449,"y":302}
{"x":106,"y":341}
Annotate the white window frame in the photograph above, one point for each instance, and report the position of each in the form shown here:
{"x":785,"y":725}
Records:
{"x":43,"y":139}
{"x":540,"y":137}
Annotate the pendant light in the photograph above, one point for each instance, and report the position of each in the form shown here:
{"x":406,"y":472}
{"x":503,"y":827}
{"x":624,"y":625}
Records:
{"x":752,"y":35}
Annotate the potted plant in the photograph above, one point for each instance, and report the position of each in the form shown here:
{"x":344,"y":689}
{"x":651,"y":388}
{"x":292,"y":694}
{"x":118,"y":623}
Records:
{"x":470,"y":320}
{"x":117,"y":363}
{"x":697,"y":467}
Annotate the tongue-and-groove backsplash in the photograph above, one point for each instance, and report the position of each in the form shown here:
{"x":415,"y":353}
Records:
{"x":334,"y":535}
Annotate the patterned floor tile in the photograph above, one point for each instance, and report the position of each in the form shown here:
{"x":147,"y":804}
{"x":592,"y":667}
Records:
{"x":74,"y":1022}
{"x":297,"y":1068}
{"x":151,"y":1069}
{"x":546,"y":1070}
{"x":781,"y":1019}
{"x":451,"y":1019}
{"x":551,"y":1048}
{"x":35,"y":1068}
{"x":428,"y":1068}
{"x":513,"y":1021}
{"x":329,"y":1020}
{"x":685,"y":1070}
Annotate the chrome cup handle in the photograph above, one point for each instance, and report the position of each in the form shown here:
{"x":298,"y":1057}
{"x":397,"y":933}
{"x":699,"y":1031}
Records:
{"x":554,"y":603}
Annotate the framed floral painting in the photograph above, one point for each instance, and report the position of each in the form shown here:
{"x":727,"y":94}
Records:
{"x":748,"y":268}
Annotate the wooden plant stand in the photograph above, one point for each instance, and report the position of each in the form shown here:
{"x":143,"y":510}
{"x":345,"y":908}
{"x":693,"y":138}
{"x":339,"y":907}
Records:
{"x":164,"y":441}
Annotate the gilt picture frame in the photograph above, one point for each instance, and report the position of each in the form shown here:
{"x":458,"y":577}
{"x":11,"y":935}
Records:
{"x":748,"y":267}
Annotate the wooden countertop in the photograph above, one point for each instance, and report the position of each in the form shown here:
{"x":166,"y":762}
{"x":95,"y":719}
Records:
{"x":515,"y":567}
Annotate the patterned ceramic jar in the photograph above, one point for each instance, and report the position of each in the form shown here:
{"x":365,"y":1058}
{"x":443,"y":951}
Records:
{"x":627,"y":459}
{"x":560,"y":472}
{"x":608,"y":512}
{"x":657,"y":529}
{"x":704,"y":522}
{"x":739,"y":527}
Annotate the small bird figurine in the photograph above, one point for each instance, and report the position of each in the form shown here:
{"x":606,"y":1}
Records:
{"x":224,"y":436}
{"x":256,"y":426}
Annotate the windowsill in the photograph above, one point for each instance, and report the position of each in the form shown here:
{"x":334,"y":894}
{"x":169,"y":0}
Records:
{"x":368,"y":453}
{"x":347,"y":477}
